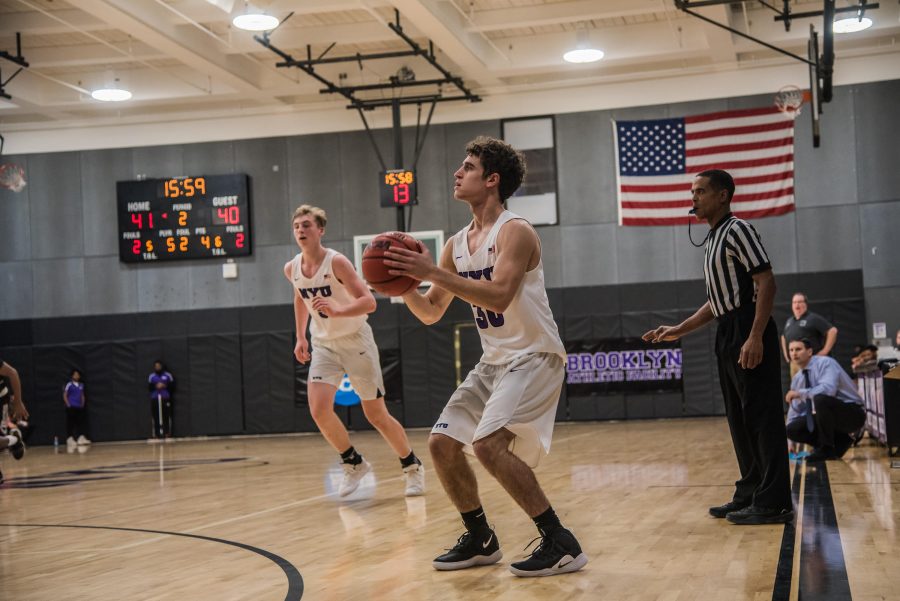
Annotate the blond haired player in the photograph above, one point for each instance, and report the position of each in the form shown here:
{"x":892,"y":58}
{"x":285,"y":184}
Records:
{"x":328,"y":291}
{"x":505,"y":409}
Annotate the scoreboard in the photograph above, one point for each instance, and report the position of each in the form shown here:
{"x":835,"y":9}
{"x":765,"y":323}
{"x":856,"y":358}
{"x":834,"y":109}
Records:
{"x":195,"y":217}
{"x":397,"y":188}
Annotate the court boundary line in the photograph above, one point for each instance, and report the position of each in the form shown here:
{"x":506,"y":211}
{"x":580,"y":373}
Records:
{"x":820,"y":513}
{"x":787,"y":568}
{"x":294,"y":578}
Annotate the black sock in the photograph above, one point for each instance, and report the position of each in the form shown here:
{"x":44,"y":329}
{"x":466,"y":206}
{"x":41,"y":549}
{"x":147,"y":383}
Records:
{"x":475,"y":520}
{"x":547,"y":522}
{"x":351,"y":456}
{"x":409,"y":459}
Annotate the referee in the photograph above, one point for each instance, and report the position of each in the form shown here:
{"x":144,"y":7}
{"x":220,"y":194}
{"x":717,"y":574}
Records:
{"x":740,"y":289}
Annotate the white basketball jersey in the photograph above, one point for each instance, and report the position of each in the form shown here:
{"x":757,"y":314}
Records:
{"x":325,"y":283}
{"x":527,"y":325}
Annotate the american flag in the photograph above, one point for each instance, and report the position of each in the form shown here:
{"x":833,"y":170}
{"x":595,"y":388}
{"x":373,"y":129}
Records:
{"x":658,"y":159}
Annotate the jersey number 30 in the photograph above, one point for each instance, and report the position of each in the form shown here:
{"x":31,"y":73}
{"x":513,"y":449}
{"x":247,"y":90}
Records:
{"x":486,"y":319}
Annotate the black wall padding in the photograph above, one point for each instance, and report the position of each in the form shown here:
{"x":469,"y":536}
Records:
{"x":268,"y":362}
{"x":216,"y":381}
{"x":128,"y":395}
{"x":234,"y":368}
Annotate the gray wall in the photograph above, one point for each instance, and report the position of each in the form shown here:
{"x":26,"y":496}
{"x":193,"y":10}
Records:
{"x":58,"y":238}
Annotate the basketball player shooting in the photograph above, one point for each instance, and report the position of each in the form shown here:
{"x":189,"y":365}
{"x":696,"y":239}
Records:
{"x":505,"y":409}
{"x":328,"y":290}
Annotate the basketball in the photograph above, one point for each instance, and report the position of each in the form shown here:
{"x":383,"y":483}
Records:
{"x":375,"y":272}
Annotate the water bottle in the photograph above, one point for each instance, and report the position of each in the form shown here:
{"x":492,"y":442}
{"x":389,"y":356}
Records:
{"x":56,"y":444}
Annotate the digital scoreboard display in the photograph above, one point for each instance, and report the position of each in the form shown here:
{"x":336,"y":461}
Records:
{"x":196,"y":217}
{"x":397,"y":188}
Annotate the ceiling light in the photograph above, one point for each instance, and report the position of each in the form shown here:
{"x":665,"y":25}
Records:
{"x":584,"y":51}
{"x":583,"y":55}
{"x":852,"y":25}
{"x":111,"y":94}
{"x":255,"y":22}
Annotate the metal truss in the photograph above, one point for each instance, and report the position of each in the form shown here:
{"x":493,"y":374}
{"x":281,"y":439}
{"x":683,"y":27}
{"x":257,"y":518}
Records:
{"x":395,"y":82}
{"x":17,"y":59}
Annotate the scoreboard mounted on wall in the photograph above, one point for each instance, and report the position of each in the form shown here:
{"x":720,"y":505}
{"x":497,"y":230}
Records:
{"x":194,"y":217}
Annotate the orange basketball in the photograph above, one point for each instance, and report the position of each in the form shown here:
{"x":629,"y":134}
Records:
{"x":375,"y":272}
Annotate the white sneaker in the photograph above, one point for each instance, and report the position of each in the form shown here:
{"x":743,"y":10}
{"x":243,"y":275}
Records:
{"x":70,"y":443}
{"x":353,"y":475}
{"x":415,"y":479}
{"x":82,"y":440}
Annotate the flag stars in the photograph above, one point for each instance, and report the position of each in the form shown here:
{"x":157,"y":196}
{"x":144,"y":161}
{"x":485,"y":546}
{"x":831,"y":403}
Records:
{"x":651,"y":147}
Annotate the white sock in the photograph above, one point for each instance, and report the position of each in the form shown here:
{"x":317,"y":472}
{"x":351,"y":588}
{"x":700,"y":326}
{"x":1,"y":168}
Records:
{"x":11,"y":440}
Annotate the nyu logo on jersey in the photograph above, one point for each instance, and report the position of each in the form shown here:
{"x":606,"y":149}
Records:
{"x":346,"y":396}
{"x":313,"y":292}
{"x":477,"y":274}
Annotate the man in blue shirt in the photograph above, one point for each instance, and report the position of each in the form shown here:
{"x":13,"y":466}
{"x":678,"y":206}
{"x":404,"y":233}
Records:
{"x":825,"y":408}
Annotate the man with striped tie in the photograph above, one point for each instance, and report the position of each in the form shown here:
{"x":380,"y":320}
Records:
{"x":740,"y":290}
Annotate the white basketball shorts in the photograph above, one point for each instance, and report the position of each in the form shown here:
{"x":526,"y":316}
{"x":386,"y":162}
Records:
{"x":355,"y":355}
{"x":520,"y":396}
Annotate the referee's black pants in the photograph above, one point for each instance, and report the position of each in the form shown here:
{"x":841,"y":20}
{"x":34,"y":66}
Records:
{"x":753,"y":405}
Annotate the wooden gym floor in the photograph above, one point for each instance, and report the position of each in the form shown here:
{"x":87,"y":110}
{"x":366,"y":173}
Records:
{"x":256,"y":518}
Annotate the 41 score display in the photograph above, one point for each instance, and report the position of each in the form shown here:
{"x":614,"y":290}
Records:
{"x":192,"y":217}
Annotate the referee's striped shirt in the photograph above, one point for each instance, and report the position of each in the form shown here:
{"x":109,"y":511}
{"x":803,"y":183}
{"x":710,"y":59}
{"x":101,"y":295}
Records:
{"x":734,"y":253}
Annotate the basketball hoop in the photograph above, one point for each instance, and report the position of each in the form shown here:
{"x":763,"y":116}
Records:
{"x":789,"y":99}
{"x":12,"y":177}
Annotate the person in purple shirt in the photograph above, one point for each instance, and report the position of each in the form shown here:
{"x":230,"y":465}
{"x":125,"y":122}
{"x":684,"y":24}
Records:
{"x":76,"y":411}
{"x":161,"y":383}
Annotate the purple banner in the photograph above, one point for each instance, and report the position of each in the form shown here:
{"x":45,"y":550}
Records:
{"x":622,"y":365}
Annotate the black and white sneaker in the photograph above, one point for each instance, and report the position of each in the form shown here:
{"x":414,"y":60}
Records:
{"x":470,"y":550}
{"x":558,"y":553}
{"x":17,"y":450}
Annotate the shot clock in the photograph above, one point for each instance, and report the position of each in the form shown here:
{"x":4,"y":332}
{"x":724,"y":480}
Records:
{"x":398,"y":188}
{"x":194,"y":217}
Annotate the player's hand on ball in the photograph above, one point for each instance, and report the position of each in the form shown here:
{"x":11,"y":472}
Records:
{"x":301,"y":350}
{"x":661,"y":334}
{"x":325,"y":306}
{"x":403,"y":261}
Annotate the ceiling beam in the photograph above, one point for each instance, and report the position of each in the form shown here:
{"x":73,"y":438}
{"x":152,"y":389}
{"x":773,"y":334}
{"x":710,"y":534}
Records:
{"x":36,"y":23}
{"x":443,"y":24}
{"x":721,"y":43}
{"x":292,"y":39}
{"x":151,"y":24}
{"x":562,"y":12}
{"x":90,"y":55}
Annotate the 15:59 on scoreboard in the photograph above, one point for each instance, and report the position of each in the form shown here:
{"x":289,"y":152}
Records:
{"x":194,"y":217}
